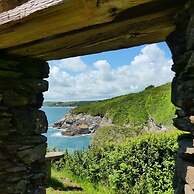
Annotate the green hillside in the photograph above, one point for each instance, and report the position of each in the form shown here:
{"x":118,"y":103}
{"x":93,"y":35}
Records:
{"x":135,"y":109}
{"x":125,"y":158}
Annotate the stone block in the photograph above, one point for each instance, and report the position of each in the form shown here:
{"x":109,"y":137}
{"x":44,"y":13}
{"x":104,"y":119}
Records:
{"x":10,"y":74}
{"x":190,"y":34}
{"x":30,"y":140}
{"x":190,"y":40}
{"x":37,"y":85}
{"x":37,"y":101}
{"x":6,"y":64}
{"x":186,"y":147}
{"x":184,"y":124}
{"x":29,"y":86}
{"x":30,"y":121}
{"x":13,"y":98}
{"x":34,"y":154}
{"x":26,"y":67}
{"x":18,"y":143}
{"x":5,"y":113}
{"x":14,"y":188}
{"x":16,"y":169}
{"x":6,"y":164}
{"x":34,"y":69}
{"x":183,"y":62}
{"x":177,"y":42}
{"x":188,"y":189}
{"x":188,"y":151}
{"x":183,"y":93}
{"x":41,"y":122}
{"x":6,"y":127}
{"x":191,"y":118}
{"x":190,"y":62}
{"x":21,"y":186}
{"x":185,"y":170}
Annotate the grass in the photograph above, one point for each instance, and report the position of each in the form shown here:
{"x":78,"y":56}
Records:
{"x":133,"y":167}
{"x":140,"y":165}
{"x":130,"y":113}
{"x":135,"y":108}
{"x":57,"y":185}
{"x":108,"y":164}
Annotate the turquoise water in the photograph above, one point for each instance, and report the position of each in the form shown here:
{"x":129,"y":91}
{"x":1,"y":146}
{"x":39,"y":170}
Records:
{"x":56,"y":140}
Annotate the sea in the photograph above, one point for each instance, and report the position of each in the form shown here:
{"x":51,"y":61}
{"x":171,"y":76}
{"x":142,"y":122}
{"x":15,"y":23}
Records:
{"x":56,"y":140}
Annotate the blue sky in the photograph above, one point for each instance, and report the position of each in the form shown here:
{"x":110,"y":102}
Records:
{"x":108,"y":74}
{"x":122,"y":56}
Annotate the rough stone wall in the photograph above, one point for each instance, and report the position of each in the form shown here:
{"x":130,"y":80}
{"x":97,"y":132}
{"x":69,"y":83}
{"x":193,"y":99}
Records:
{"x":181,"y":43}
{"x":22,"y":147}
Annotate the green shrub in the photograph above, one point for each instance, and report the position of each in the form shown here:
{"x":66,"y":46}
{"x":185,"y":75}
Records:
{"x":141,"y":165}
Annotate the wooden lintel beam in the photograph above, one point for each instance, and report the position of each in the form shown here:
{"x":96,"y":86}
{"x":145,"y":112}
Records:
{"x":51,"y":29}
{"x":119,"y":43}
{"x":44,"y":18}
{"x":98,"y":35}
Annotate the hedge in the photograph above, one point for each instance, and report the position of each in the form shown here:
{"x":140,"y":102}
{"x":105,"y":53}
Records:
{"x":141,"y":165}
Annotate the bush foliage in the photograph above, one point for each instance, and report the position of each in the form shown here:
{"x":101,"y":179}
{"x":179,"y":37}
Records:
{"x":141,"y":165}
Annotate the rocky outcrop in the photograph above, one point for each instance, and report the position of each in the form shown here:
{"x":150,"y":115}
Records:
{"x":80,"y":124}
{"x":152,"y":126}
{"x":83,"y":124}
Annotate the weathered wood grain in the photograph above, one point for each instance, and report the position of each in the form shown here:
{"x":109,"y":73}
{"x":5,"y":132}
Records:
{"x":6,"y":5}
{"x":63,"y":16}
{"x":97,"y":35}
{"x":25,"y":9}
{"x":120,"y":42}
{"x":51,"y":29}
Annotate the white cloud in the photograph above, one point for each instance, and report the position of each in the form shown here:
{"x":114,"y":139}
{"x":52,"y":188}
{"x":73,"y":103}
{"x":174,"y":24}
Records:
{"x":150,"y":67}
{"x":74,"y":64}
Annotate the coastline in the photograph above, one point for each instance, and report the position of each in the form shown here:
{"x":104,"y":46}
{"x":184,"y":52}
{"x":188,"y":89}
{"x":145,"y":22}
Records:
{"x":75,"y":136}
{"x":70,"y":107}
{"x":61,"y":130}
{"x":80,"y":124}
{"x":57,"y":141}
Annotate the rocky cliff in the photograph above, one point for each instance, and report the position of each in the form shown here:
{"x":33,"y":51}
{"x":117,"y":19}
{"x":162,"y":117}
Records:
{"x":80,"y":124}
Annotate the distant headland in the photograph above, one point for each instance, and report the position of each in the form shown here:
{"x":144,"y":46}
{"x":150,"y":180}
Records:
{"x":64,"y":104}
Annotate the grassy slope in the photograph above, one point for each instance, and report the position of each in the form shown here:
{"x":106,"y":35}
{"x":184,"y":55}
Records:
{"x":135,"y":109}
{"x":140,"y":165}
{"x":57,"y":186}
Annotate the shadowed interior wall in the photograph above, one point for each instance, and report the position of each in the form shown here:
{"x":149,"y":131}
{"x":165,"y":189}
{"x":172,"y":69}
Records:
{"x":181,"y":43}
{"x":22,"y":147}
